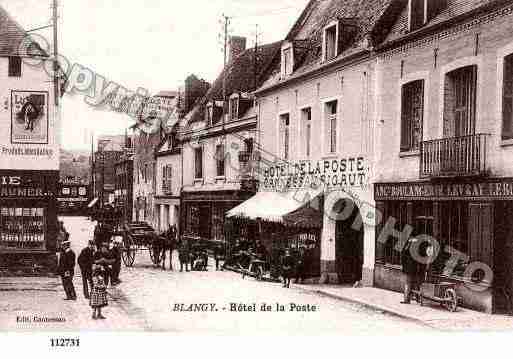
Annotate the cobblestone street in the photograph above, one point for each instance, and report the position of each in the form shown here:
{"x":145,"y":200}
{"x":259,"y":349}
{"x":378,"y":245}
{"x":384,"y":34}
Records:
{"x":148,"y":299}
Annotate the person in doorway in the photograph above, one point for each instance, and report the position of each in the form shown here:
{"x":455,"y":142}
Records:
{"x":99,"y":293}
{"x":66,"y":269}
{"x":287,"y":268}
{"x":85,"y":262}
{"x":116,"y":266}
{"x":414,"y":271}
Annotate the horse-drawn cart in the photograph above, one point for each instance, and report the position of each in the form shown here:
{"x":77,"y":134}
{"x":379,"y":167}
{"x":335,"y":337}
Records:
{"x":140,"y":236}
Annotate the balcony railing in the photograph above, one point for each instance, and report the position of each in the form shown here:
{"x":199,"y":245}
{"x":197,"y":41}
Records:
{"x":454,"y":156}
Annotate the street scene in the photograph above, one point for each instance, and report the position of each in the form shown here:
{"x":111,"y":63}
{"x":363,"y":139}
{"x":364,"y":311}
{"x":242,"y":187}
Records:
{"x":307,"y":167}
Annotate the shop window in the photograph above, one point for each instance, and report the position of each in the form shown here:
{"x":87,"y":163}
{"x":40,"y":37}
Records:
{"x":454,"y":222}
{"x":460,"y":102}
{"x":331,"y":123}
{"x":220,"y":161}
{"x":399,"y":212}
{"x":412,"y":113}
{"x":198,"y":163}
{"x":306,"y":122}
{"x":285,"y":135}
{"x":507,"y":99}
{"x":65,"y":191}
{"x":14,"y":66}
{"x":22,"y":228}
{"x":218,"y":223}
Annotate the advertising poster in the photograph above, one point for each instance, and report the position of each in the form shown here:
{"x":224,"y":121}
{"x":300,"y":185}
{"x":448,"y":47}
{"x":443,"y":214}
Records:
{"x":29,"y":117}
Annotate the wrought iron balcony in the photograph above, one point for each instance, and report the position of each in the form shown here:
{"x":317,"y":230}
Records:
{"x":454,"y":156}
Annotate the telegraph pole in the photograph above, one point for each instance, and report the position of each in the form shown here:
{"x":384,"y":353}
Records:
{"x":255,"y":66}
{"x":226,"y":20}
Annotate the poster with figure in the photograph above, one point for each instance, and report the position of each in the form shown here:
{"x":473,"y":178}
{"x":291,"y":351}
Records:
{"x":29,"y":117}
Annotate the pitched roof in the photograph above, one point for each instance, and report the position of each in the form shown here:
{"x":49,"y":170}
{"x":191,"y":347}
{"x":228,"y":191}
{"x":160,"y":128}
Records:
{"x":240,"y":76}
{"x":452,"y":10}
{"x":308,"y":30}
{"x":11,"y":36}
{"x":167,"y":94}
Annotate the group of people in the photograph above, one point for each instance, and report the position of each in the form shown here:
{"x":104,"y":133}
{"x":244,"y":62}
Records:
{"x":99,"y":263}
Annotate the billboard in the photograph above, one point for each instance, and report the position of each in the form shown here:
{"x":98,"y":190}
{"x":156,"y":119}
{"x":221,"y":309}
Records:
{"x":29,"y":117}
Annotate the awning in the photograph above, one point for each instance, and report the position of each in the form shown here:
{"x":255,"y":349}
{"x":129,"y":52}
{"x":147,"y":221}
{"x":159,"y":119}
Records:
{"x":293,"y":207}
{"x":92,"y":203}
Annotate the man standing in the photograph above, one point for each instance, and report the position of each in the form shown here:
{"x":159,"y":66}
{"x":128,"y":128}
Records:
{"x":414,"y":271}
{"x":66,"y":269}
{"x":116,"y":266}
{"x":85,"y":262}
{"x":104,"y":258}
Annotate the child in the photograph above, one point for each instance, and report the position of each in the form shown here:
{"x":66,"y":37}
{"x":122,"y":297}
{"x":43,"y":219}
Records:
{"x":99,"y":293}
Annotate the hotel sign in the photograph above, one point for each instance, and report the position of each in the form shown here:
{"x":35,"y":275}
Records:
{"x":332,"y":173}
{"x":479,"y":190}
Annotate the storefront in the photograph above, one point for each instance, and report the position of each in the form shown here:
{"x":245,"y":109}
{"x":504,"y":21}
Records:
{"x":168,"y":208}
{"x":469,"y":220}
{"x":203,"y":213}
{"x":28,"y":221}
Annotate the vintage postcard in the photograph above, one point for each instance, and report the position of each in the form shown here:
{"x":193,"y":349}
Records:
{"x":301,"y":167}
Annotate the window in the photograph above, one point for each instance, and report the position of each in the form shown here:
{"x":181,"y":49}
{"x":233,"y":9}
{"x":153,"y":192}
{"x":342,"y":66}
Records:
{"x":331,"y":125}
{"x":507,"y":99}
{"x":412,"y":113}
{"x":285,"y":135}
{"x":306,"y":119}
{"x":22,"y":228}
{"x":209,"y":114}
{"x":459,"y":102}
{"x":417,"y":14}
{"x":249,"y":145}
{"x":167,"y":177}
{"x":14,"y":66}
{"x":65,"y":191}
{"x":330,"y":42}
{"x":220,"y":162}
{"x":398,"y":211}
{"x":287,"y":62}
{"x":198,"y":163}
{"x":234,"y":108}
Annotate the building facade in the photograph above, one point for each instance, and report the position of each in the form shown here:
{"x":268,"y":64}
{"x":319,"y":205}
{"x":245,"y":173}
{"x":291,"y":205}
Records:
{"x":217,"y":139}
{"x":444,"y":151}
{"x":29,"y":155}
{"x":73,"y":195}
{"x":124,"y":191}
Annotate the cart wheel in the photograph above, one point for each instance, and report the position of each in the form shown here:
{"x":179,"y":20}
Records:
{"x":128,"y":253}
{"x":451,"y":300}
{"x":156,"y":254}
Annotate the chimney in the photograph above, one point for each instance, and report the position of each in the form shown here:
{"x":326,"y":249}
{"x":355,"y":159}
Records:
{"x":237,"y":46}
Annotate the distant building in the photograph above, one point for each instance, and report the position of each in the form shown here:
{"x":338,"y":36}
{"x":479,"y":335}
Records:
{"x":124,"y":182}
{"x":73,"y":195}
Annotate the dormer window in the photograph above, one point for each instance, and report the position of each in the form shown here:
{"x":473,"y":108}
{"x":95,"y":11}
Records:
{"x":287,"y":60}
{"x":422,"y":11}
{"x":234,"y":108}
{"x":330,"y":43}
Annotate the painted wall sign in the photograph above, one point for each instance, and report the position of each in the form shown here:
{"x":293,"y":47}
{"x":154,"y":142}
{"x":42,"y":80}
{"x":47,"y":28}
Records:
{"x":334,"y":173}
{"x":35,"y":185}
{"x":29,"y":117}
{"x":494,"y":189}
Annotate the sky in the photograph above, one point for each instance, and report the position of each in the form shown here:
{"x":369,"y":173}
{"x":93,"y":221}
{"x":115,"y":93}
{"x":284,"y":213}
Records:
{"x":153,"y":44}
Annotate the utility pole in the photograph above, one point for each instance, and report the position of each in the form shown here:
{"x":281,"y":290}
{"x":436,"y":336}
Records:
{"x":55,"y":53}
{"x":255,"y":65}
{"x":226,"y":20}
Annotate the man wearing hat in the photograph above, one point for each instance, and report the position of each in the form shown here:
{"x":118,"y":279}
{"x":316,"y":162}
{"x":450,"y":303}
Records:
{"x":104,"y":258}
{"x":66,"y":269}
{"x":116,"y":266}
{"x":85,"y":261}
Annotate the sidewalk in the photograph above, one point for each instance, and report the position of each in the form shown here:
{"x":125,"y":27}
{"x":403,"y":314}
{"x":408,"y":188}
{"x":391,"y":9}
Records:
{"x":36,"y":304}
{"x":431,"y":314}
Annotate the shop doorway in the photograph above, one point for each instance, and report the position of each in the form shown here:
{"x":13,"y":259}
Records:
{"x":348,"y":242}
